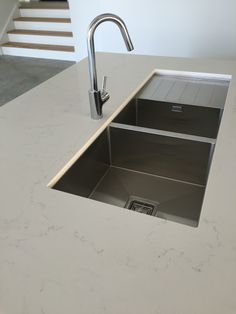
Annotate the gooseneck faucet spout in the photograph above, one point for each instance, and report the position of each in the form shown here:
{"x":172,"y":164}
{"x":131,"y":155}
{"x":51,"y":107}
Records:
{"x":98,"y":97}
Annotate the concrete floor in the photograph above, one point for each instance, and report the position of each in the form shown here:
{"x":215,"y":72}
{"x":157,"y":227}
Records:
{"x":18,"y":74}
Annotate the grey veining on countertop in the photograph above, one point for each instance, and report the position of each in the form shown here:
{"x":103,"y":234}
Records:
{"x":60,"y":253}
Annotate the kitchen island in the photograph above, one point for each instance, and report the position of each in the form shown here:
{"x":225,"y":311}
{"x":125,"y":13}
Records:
{"x":62,"y":253}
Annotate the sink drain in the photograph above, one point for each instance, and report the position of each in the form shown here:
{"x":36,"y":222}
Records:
{"x":142,"y":205}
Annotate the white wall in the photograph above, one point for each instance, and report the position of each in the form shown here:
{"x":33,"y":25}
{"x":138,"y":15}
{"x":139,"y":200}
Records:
{"x":7,"y":9}
{"x":187,"y":28}
{"x":82,"y":12}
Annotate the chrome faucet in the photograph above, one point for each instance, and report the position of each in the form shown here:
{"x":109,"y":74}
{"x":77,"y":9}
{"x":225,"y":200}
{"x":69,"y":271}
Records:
{"x":98,"y":97}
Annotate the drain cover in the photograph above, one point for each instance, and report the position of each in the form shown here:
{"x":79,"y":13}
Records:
{"x":141,"y":205}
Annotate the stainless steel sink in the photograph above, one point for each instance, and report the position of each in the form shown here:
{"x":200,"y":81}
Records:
{"x":153,"y":173}
{"x":155,"y":156}
{"x":175,"y":117}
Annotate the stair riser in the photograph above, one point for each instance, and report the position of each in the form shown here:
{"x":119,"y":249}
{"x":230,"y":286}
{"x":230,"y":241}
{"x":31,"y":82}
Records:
{"x":34,"y":53}
{"x":46,"y":26}
{"x":45,"y":13}
{"x":48,"y":40}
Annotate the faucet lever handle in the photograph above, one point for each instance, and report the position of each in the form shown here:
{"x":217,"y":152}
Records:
{"x":104,"y":94}
{"x":104,"y":84}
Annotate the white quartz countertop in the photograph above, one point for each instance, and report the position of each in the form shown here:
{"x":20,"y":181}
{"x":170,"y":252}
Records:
{"x":60,"y":253}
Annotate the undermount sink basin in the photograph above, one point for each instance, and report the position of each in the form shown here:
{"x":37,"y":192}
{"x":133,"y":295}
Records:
{"x":180,"y":118}
{"x":155,"y":174}
{"x":154,"y":158}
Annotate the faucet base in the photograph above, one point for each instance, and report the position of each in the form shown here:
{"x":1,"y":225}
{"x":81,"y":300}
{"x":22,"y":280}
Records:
{"x":95,"y":100}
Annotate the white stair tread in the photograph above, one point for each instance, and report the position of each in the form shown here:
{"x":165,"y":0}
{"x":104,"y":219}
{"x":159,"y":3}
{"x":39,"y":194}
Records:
{"x":39,"y":33}
{"x":42,"y":19}
{"x":39,"y":46}
{"x":45,"y":5}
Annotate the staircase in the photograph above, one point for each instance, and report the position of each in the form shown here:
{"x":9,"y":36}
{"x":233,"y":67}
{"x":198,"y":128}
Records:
{"x":43,"y":30}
